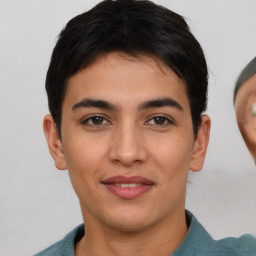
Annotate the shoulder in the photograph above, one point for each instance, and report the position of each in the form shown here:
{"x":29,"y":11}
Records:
{"x":50,"y":251}
{"x":242,"y":246}
{"x":64,"y":247}
{"x":199,"y":242}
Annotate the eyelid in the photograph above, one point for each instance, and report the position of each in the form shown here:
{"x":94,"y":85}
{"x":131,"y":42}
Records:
{"x":87,"y":118}
{"x":167,"y":117}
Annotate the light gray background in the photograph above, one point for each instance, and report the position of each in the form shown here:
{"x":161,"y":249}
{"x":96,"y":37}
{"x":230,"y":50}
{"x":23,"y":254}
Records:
{"x":38,"y":205}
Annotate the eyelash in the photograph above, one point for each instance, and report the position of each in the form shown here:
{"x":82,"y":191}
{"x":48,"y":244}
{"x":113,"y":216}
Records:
{"x":90,"y":118}
{"x":166,"y":120}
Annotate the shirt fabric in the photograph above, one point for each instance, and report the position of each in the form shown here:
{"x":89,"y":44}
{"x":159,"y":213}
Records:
{"x":196,"y":243}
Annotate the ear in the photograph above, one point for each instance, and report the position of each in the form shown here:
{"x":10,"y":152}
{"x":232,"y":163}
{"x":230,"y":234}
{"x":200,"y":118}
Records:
{"x":201,"y":144}
{"x":54,"y":142}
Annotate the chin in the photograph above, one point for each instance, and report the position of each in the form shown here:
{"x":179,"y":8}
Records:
{"x":132,"y":220}
{"x":130,"y":226}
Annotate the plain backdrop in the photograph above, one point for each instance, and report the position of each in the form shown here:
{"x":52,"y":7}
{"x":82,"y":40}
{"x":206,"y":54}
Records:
{"x":38,"y":205}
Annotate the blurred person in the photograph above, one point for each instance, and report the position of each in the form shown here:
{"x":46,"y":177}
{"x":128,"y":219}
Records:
{"x":245,"y":105}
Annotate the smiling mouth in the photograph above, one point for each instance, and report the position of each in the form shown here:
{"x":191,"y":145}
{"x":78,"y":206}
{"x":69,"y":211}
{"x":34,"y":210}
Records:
{"x":128,"y":187}
{"x":131,"y":185}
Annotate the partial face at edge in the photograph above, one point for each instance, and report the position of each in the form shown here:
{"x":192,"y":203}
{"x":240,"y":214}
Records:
{"x":245,"y":105}
{"x":125,"y":117}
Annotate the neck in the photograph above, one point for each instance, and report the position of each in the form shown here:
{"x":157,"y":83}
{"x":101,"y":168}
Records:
{"x":109,"y":241}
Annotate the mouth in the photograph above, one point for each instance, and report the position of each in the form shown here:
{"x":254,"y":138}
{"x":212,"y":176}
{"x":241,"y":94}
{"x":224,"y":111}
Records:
{"x":128,"y":187}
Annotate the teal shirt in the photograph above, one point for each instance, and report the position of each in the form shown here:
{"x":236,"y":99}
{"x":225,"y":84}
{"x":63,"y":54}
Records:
{"x":196,"y":243}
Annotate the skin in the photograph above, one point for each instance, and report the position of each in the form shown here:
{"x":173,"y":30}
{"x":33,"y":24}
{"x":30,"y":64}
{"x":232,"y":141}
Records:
{"x":128,"y":141}
{"x":245,"y":98}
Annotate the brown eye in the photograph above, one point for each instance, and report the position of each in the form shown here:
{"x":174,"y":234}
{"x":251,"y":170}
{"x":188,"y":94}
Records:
{"x":97,"y":120}
{"x":159,"y":120}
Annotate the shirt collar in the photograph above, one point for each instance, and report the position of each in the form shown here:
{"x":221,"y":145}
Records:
{"x":197,"y":239}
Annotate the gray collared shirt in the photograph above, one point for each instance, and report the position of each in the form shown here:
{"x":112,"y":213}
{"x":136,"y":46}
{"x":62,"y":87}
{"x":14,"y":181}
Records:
{"x":196,"y":243}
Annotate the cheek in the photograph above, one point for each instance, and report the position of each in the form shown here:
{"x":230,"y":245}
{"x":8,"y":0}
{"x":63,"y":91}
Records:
{"x":84,"y":160}
{"x":173,"y":153}
{"x":172,"y":158}
{"x":83,"y":157}
{"x":249,"y":134}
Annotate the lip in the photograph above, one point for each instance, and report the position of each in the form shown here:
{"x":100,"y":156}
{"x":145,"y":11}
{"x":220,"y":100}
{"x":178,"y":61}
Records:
{"x":113,"y":184}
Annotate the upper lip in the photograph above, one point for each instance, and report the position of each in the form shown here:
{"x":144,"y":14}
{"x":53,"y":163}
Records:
{"x":128,"y":180}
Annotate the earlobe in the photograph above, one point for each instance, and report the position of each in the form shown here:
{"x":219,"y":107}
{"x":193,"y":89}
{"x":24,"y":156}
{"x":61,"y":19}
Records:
{"x":54,"y":143}
{"x":201,"y":144}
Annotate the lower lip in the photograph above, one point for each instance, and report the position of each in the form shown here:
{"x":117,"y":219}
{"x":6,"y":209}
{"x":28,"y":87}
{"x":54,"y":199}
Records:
{"x":128,"y":193}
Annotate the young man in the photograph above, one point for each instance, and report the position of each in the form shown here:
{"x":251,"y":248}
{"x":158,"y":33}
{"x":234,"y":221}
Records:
{"x":127,"y":86}
{"x":245,"y":104}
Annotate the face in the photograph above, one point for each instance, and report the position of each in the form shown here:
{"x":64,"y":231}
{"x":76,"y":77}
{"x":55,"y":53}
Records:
{"x":246,"y":113}
{"x":127,"y":141}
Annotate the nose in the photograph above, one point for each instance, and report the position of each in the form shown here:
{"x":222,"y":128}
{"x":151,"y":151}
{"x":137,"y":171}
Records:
{"x":128,"y":146}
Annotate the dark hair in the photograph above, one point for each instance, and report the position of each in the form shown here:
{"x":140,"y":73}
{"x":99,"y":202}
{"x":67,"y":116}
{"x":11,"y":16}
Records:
{"x":135,"y":28}
{"x":246,"y":73}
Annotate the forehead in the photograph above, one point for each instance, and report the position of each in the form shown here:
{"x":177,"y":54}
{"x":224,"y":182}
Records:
{"x":118,"y":76}
{"x":121,"y":60}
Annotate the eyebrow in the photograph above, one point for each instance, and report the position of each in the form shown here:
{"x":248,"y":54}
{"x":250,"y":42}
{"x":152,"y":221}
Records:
{"x":162,"y":102}
{"x":97,"y":103}
{"x":93,"y":103}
